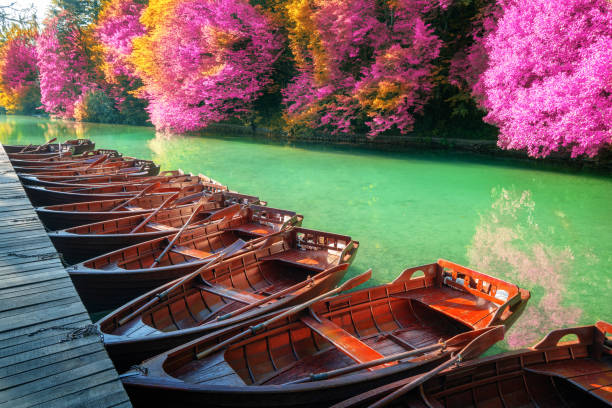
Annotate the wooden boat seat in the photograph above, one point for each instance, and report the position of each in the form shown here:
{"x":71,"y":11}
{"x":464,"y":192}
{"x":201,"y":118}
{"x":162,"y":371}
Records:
{"x":346,"y":343}
{"x":316,"y":260}
{"x":192,"y":252}
{"x":463,"y":306}
{"x":588,"y":374}
{"x":231,"y":293}
{"x":254,"y":229}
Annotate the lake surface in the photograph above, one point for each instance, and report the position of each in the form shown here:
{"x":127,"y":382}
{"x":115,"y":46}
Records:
{"x":546,"y":230}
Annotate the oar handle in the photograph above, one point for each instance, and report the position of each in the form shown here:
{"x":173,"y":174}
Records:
{"x":416,"y":382}
{"x":373,"y":363}
{"x":25,"y":148}
{"x":45,"y":144}
{"x":475,"y":347}
{"x":177,"y":236}
{"x":95,"y":163}
{"x":146,"y":190}
{"x":162,"y":295}
{"x":276,"y":295}
{"x":349,"y":284}
{"x":158,"y":209}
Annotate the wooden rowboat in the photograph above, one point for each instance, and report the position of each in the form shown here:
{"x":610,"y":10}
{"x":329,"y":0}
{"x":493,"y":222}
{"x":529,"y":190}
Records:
{"x":338,"y":346}
{"x":98,"y":179}
{"x":40,"y":195}
{"x":58,"y":161}
{"x":254,"y":280}
{"x":57,"y":217}
{"x":37,"y":156}
{"x":113,"y":279}
{"x":110,"y":167}
{"x":75,"y":146}
{"x":84,"y":242}
{"x":553,"y":373}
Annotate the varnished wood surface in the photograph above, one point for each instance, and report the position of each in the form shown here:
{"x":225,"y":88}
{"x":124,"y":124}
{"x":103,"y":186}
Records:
{"x":39,"y":307}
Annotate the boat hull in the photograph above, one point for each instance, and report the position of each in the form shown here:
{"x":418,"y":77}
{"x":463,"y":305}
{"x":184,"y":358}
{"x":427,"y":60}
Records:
{"x":144,"y":391}
{"x":57,"y":220}
{"x":39,"y":196}
{"x":102,"y":290}
{"x":77,"y":247}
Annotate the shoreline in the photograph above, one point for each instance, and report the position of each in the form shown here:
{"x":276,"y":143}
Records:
{"x":403,"y":143}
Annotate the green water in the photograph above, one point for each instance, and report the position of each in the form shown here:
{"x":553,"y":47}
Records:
{"x":546,"y":230}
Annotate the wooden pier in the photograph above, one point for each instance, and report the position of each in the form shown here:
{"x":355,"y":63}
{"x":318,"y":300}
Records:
{"x":49,"y":354}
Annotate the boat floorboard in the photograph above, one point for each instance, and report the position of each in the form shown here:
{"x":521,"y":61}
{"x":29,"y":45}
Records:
{"x":39,"y":310}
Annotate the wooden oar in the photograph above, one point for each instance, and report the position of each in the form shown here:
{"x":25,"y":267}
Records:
{"x":162,"y":295}
{"x":224,"y":213}
{"x":43,"y":145}
{"x":95,"y":163}
{"x":283,"y":292}
{"x":473,"y":349}
{"x":177,"y":235}
{"x":25,"y":148}
{"x":458,"y":341}
{"x":148,"y":189}
{"x":158,"y":209}
{"x":349,"y":284}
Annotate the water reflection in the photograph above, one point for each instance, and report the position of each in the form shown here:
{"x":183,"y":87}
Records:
{"x":62,"y":129}
{"x":509,"y":242}
{"x":163,"y":150}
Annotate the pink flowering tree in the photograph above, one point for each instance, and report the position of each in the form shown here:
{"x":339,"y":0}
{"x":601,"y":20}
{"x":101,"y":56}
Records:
{"x":205,"y":61}
{"x":118,"y":24}
{"x":19,"y":91}
{"x":362,"y":64}
{"x":543,"y":71}
{"x":63,"y":66}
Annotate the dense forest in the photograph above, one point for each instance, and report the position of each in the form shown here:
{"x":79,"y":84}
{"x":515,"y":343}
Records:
{"x":536,"y":74}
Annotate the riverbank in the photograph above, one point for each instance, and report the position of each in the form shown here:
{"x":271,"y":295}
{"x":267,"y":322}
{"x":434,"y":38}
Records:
{"x":405,"y":143}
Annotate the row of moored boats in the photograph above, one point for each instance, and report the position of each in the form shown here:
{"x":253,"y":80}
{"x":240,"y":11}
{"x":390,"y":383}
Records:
{"x":220,"y":300}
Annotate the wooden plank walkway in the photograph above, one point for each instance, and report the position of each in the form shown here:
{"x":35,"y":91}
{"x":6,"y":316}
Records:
{"x":39,"y":310}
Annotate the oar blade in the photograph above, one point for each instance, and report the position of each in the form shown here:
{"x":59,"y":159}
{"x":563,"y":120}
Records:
{"x":356,"y":281}
{"x":227,"y":212}
{"x":482,"y":342}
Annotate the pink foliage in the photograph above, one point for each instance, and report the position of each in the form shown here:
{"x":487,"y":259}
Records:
{"x":510,"y":242}
{"x":115,"y":30}
{"x":62,"y":66}
{"x":549,"y":81}
{"x":18,"y":63}
{"x":217,"y":56}
{"x":377,"y":71}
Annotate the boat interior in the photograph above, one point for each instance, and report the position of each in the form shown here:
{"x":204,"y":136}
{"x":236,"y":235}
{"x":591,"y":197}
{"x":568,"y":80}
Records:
{"x":228,"y":286}
{"x":423,"y":306}
{"x":569,"y":368}
{"x":164,"y":220}
{"x":199,"y":243}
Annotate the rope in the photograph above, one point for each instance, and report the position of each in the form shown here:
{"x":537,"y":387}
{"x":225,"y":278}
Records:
{"x":73,"y":332}
{"x":135,"y":370}
{"x":40,"y":257}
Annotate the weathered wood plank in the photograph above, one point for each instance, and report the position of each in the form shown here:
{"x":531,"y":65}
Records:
{"x":41,"y":300}
{"x":52,"y":313}
{"x":49,"y":359}
{"x":45,"y":331}
{"x":39,"y":307}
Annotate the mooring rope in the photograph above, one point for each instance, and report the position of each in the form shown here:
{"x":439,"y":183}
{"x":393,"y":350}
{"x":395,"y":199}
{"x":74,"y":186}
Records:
{"x":74,"y":332}
{"x":40,"y":257}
